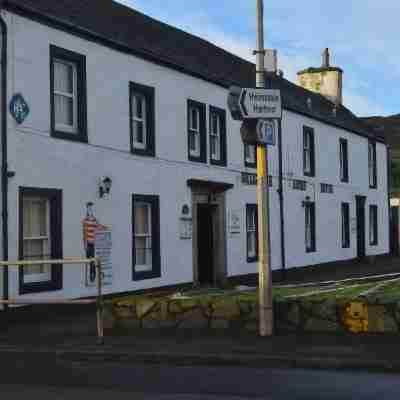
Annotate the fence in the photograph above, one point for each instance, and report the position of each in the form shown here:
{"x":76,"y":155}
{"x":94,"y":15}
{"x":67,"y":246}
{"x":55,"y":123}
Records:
{"x":66,"y":261}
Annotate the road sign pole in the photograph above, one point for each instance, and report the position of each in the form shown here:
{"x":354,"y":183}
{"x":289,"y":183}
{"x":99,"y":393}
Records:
{"x":265,"y":279}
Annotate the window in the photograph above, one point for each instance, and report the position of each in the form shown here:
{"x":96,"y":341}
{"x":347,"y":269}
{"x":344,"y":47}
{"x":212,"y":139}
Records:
{"x":217,"y":136}
{"x":310,"y":227}
{"x":68,"y":94}
{"x":252,"y":232}
{"x":308,"y":151}
{"x":146,"y":237}
{"x":142,"y":119}
{"x":344,"y":161}
{"x":40,"y":238}
{"x":326,"y":188}
{"x":345,"y":225}
{"x":372,"y":165}
{"x":299,"y":185}
{"x":197,"y":131}
{"x":250,"y":155}
{"x":373,"y":225}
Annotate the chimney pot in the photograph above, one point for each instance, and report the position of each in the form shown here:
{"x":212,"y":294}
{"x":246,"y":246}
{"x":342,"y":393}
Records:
{"x":326,"y":58}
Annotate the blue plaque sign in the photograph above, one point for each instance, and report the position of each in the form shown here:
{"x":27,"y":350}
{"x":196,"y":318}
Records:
{"x":19,"y":108}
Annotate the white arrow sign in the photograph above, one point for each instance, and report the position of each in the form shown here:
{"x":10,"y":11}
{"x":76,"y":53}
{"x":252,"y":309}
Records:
{"x":261,"y":103}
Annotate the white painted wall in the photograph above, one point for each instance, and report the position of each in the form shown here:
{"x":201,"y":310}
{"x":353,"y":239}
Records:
{"x":42,"y":161}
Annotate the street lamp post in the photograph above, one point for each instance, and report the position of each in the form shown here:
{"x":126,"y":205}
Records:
{"x":265,"y":279}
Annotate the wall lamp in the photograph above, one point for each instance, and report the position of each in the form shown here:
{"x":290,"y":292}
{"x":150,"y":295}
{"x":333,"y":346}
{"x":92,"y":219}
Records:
{"x":305,"y":202}
{"x":105,"y":186}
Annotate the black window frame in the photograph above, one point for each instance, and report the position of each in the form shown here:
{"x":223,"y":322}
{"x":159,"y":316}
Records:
{"x":374,"y":185}
{"x":250,"y":164}
{"x":345,"y":224}
{"x":56,"y":235}
{"x":154,"y":200}
{"x":343,"y":152}
{"x":252,"y":207}
{"x":222,"y":162}
{"x":80,"y":61}
{"x":373,"y":218}
{"x":310,"y":206}
{"x":309,"y":131}
{"x":202,"y":158}
{"x":148,"y":92}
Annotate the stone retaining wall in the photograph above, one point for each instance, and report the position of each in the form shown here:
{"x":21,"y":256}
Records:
{"x":241,"y":312}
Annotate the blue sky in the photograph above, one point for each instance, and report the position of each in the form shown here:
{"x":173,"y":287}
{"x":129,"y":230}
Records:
{"x":363,"y":36}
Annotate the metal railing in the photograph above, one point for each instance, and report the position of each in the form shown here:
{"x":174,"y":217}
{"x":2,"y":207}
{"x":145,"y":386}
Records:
{"x":66,"y":261}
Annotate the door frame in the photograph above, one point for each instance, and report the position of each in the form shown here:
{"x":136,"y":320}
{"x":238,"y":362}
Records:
{"x":361,"y":226}
{"x":202,"y":196}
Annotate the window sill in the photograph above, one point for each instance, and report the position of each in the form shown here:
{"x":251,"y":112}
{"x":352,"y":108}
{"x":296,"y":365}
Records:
{"x":252,"y":259}
{"x":82,"y":138}
{"x":144,"y":275}
{"x":38,"y":287}
{"x":143,"y":152}
{"x":218,"y":163}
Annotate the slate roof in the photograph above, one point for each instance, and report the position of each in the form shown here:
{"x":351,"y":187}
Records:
{"x":389,"y":127}
{"x":128,"y":30}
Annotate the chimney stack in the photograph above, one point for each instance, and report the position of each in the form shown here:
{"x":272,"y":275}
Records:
{"x":325,"y":80}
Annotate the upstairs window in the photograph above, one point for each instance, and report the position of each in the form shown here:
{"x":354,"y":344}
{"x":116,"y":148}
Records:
{"x":344,"y":161}
{"x":252,"y":232}
{"x":196,"y":131}
{"x":308,"y":151}
{"x":142,"y":119}
{"x":68,"y":94}
{"x":217,"y":136}
{"x":372,"y":171}
{"x":250,"y":155}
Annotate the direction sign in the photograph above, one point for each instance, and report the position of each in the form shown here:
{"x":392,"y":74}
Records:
{"x":260,"y":103}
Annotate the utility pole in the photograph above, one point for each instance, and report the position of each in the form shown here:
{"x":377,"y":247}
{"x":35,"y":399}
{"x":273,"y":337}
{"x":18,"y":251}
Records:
{"x":265,"y":279}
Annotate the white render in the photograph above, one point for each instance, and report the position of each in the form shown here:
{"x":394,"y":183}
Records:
{"x":42,"y":161}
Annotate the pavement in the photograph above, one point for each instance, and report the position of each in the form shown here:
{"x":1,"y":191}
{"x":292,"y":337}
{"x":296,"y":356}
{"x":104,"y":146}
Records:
{"x":73,"y":338}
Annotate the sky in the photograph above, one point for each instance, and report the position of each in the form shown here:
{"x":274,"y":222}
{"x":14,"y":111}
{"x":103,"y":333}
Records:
{"x":362,"y":35}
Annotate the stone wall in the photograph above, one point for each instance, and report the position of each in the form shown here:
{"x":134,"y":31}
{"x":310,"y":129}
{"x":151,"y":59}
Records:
{"x":241,"y":312}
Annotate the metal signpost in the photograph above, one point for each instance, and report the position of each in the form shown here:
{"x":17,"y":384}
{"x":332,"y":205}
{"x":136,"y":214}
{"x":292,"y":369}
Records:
{"x":259,"y":109}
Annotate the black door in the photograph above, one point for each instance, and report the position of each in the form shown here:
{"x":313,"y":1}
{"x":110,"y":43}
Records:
{"x":394,"y":230}
{"x":360,"y":205}
{"x":205,"y":244}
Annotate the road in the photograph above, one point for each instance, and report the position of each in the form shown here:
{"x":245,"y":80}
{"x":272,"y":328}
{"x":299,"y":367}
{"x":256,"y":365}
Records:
{"x":77,"y":380}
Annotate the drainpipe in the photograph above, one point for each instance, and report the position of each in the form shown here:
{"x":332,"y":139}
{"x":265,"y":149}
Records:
{"x":4,"y":156}
{"x":281,"y":202}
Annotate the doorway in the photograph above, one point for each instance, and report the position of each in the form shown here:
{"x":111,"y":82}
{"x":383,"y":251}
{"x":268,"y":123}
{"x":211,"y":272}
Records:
{"x":360,"y":215}
{"x":205,"y":249}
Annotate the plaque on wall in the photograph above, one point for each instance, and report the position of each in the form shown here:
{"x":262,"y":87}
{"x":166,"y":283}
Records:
{"x":234,"y":219}
{"x":185,"y":228}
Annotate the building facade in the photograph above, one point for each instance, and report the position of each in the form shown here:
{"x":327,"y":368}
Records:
{"x":146,"y":137}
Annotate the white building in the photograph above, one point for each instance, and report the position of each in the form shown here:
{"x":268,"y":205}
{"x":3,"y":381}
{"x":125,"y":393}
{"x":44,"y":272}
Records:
{"x":115,"y":94}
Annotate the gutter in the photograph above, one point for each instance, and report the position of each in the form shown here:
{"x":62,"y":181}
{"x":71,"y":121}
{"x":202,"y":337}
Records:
{"x":4,"y":155}
{"x":281,"y":202}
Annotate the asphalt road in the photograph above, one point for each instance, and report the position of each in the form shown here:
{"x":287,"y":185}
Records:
{"x":74,"y":380}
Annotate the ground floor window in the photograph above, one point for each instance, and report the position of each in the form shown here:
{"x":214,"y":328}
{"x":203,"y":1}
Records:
{"x":146,"y":237}
{"x":310,"y":227}
{"x":373,"y":225}
{"x":252,"y":232}
{"x":40,"y":238}
{"x":345,"y":225}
